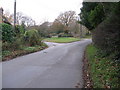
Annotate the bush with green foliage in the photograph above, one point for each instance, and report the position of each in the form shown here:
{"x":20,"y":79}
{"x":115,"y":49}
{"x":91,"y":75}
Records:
{"x":105,"y":22}
{"x":20,"y":29}
{"x":85,"y":14}
{"x":31,"y":37}
{"x":12,"y":46}
{"x":7,"y":32}
{"x":105,"y":30}
{"x":96,"y":16}
{"x":107,"y":35}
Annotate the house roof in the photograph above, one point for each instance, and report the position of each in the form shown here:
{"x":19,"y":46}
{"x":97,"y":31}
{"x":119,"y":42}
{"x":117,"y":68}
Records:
{"x":5,"y":20}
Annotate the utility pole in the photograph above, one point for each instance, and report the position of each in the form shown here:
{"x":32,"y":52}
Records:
{"x":14,"y":14}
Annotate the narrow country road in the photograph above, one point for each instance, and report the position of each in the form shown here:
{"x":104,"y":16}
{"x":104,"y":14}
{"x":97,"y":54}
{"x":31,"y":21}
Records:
{"x":59,"y":66}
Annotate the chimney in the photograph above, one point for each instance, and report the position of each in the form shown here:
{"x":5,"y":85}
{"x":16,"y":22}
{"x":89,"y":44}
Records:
{"x":1,"y":14}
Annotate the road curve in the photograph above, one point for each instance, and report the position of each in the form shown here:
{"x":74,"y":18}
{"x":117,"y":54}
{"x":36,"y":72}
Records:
{"x":59,"y":66}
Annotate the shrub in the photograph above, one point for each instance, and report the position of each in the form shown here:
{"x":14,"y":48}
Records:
{"x":11,"y":46}
{"x":20,"y":30}
{"x":107,"y":35}
{"x":31,"y":37}
{"x":7,"y":32}
{"x":64,"y":35}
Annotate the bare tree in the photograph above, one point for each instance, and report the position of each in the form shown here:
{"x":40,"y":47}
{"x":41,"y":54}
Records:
{"x":44,"y":29}
{"x":57,"y":27}
{"x":74,"y":28}
{"x":66,"y":18}
{"x":28,"y":21}
{"x":19,"y":16}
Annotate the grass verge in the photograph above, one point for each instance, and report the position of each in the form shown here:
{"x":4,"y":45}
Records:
{"x":62,"y":39}
{"x":7,"y":55}
{"x":103,"y":71}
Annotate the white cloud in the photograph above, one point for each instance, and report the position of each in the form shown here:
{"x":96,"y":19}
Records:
{"x":41,"y":10}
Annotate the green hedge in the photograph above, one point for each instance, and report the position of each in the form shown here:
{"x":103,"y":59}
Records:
{"x":7,"y":32}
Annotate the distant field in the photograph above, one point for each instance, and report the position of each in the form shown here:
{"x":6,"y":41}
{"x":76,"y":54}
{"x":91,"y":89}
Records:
{"x":62,"y":39}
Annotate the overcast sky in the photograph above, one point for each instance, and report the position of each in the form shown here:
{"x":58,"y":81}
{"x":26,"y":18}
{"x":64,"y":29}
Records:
{"x":42,"y":10}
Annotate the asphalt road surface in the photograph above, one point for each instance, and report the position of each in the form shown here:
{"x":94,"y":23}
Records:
{"x":59,"y":66}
